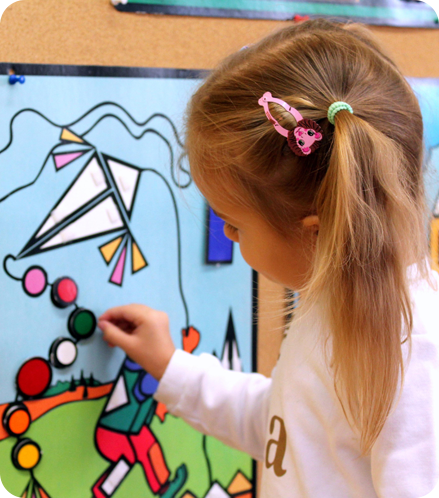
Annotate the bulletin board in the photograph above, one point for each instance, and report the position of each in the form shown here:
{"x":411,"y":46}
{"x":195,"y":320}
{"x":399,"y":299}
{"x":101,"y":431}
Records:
{"x":34,"y":31}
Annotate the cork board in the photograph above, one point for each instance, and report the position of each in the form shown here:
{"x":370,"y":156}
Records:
{"x":34,"y":31}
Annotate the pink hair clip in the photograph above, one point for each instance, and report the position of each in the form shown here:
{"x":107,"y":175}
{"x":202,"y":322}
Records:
{"x":304,"y":138}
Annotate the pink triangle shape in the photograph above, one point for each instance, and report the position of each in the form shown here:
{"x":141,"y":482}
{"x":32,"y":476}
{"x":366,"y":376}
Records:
{"x":117,"y":276}
{"x":64,"y":159}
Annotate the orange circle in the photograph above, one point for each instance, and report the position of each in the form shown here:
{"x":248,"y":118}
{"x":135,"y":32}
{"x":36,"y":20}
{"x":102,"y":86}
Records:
{"x":19,"y":422}
{"x":28,"y":456}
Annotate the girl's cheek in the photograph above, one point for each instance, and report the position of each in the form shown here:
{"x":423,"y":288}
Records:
{"x":249,"y":256}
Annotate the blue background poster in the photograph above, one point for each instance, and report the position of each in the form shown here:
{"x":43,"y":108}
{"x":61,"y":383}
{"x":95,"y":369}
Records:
{"x":427,"y":91}
{"x":97,"y":209}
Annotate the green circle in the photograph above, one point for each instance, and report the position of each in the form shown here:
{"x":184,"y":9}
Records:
{"x":84,"y":323}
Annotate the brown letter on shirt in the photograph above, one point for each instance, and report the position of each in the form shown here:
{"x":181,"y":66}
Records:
{"x":281,"y":445}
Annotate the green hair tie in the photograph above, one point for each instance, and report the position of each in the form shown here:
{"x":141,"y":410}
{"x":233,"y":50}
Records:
{"x":336,"y":107}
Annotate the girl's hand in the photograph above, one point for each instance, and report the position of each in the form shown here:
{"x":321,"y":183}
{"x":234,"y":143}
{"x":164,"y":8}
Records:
{"x":143,"y":333}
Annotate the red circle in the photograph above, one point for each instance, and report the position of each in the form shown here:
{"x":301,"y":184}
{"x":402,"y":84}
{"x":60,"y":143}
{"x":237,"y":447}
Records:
{"x":34,"y":377}
{"x":67,"y":290}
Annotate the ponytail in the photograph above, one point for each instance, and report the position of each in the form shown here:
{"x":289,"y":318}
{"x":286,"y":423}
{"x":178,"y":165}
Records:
{"x":371,"y":230}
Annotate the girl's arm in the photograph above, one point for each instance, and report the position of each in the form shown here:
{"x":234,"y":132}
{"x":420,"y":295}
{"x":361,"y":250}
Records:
{"x":231,"y":406}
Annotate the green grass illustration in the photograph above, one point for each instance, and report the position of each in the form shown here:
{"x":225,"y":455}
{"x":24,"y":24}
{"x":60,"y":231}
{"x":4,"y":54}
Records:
{"x":70,"y":463}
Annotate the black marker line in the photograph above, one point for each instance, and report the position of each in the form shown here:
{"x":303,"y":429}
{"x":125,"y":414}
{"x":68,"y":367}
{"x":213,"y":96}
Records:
{"x":9,"y":256}
{"x":177,"y":218}
{"x":33,"y":181}
{"x":94,"y":108}
{"x":206,"y":456}
{"x":142,"y":134}
{"x":102,"y":104}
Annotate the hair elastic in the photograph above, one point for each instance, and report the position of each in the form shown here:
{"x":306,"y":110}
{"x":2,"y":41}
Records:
{"x":304,"y":138}
{"x":336,"y":107}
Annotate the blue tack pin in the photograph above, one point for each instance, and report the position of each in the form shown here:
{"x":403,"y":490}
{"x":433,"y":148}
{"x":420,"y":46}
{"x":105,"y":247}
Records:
{"x":13,"y":78}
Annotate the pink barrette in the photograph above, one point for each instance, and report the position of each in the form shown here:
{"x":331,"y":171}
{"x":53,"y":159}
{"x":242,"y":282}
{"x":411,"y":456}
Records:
{"x":304,"y":138}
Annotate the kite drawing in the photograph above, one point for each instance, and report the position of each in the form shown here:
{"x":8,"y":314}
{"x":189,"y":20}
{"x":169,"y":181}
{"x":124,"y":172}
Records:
{"x":95,"y":218}
{"x":99,"y":201}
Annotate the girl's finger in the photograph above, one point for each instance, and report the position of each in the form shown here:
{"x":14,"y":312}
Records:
{"x":115,"y":336}
{"x":132,"y":313}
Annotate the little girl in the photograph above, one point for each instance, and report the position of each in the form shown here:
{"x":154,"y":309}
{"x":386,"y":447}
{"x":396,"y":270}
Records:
{"x":309,"y":145}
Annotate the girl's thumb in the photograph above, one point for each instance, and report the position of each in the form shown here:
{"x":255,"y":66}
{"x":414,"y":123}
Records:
{"x":114,"y":335}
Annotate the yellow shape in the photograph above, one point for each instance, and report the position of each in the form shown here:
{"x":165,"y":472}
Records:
{"x":108,"y":250}
{"x":138,"y":259}
{"x":239,"y":484}
{"x":28,"y":456}
{"x":188,"y":494}
{"x":434,"y":243}
{"x":70,"y":136}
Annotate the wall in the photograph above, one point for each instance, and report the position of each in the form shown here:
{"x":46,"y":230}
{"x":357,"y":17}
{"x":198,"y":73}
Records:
{"x":93,"y":32}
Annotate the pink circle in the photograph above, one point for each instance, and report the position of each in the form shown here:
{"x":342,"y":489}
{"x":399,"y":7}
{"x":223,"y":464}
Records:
{"x":35,"y":281}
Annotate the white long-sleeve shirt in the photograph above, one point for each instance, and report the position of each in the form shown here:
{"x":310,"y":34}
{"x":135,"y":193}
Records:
{"x":294,"y":422}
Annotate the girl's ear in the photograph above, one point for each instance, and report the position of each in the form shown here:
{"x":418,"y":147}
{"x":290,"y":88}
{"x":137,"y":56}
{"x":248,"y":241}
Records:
{"x":311,"y":223}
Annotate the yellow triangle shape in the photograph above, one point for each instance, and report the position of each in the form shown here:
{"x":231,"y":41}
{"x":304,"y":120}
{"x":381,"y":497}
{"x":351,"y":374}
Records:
{"x":138,"y":259}
{"x":70,"y":136}
{"x":108,"y":250}
{"x":239,"y":484}
{"x":188,"y":494}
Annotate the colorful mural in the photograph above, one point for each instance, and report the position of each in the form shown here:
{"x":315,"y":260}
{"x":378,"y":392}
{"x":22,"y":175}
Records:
{"x":98,"y":209}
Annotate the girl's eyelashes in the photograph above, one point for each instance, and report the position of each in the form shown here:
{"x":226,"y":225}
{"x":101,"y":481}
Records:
{"x":230,"y":227}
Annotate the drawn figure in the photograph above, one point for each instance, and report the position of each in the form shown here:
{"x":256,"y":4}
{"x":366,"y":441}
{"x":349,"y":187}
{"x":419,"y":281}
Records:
{"x":123,"y":435}
{"x":101,"y":199}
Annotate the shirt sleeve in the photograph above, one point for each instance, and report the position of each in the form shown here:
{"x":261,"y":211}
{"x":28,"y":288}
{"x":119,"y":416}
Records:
{"x":405,"y":457}
{"x":231,"y":406}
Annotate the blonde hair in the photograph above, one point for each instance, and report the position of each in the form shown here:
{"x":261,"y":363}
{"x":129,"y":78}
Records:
{"x":364,"y":182}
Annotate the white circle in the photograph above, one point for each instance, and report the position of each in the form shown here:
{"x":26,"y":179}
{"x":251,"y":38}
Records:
{"x":66,"y":352}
